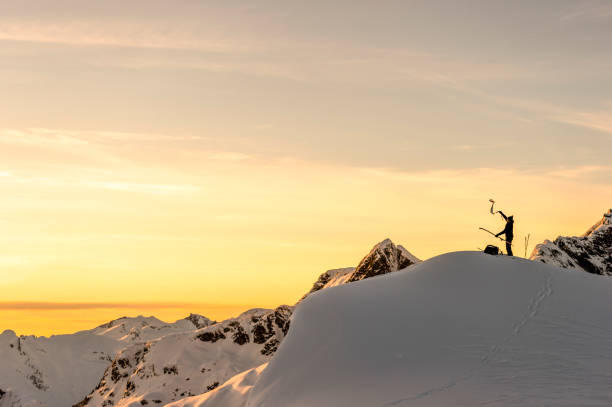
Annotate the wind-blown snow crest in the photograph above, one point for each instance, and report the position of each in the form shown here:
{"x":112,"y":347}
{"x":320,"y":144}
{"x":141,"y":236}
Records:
{"x":461,"y":329}
{"x":591,"y":252}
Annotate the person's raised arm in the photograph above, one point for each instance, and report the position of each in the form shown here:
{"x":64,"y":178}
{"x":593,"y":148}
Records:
{"x":503,"y":216}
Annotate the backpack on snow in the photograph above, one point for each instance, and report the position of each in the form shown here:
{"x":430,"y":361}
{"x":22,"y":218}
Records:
{"x":493,"y":250}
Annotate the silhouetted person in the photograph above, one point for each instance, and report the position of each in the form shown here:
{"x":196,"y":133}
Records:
{"x":508,"y":231}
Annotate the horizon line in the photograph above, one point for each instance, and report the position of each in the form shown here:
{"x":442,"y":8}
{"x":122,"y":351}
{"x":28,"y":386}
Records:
{"x":50,"y":305}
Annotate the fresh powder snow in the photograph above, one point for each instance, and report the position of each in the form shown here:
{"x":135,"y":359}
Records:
{"x":461,"y":329}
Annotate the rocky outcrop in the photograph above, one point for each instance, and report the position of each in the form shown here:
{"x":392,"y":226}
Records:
{"x":199,"y":321}
{"x":331,"y":278}
{"x":591,"y":252}
{"x":384,"y":258}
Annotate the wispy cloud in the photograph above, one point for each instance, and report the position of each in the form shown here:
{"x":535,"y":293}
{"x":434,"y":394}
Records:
{"x":142,"y":188}
{"x":589,"y":11}
{"x":117,"y":34}
{"x":229,"y":156}
{"x":580,"y":172}
{"x":600,"y":120}
{"x":477,"y":147}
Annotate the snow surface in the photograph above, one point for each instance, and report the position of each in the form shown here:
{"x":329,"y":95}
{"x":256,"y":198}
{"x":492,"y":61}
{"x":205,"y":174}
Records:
{"x":461,"y":329}
{"x":232,"y":393}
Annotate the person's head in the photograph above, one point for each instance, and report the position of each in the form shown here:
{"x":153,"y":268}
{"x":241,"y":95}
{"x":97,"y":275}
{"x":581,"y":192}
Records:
{"x":511,"y":218}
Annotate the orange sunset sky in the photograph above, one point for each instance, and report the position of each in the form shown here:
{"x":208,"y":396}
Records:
{"x":162,"y":158}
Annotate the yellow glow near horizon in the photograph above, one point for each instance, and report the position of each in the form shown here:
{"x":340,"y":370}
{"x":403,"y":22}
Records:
{"x":229,"y":232}
{"x":224,"y":154}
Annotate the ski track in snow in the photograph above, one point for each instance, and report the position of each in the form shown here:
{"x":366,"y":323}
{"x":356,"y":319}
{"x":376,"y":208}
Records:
{"x":532,"y":311}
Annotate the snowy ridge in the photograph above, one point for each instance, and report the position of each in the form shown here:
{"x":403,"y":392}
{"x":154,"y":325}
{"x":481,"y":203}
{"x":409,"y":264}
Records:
{"x":499,"y":331}
{"x":591,"y":252}
{"x":184,"y":364}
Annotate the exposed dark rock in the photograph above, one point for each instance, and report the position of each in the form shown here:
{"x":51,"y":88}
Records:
{"x":212,"y":386}
{"x":123,"y":363}
{"x":199,"y":321}
{"x":211,"y":336}
{"x":240,"y":336}
{"x":116,"y":375}
{"x":384,"y":258}
{"x":282,"y":317}
{"x":261,"y":334}
{"x":591,"y":252}
{"x":270,"y":347}
{"x":171,"y":370}
{"x":130,"y":386}
{"x":81,"y":403}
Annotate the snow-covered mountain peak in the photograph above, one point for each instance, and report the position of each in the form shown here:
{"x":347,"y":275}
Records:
{"x":384,"y":258}
{"x":591,"y":252}
{"x":8,"y":333}
{"x":130,"y":322}
{"x":198,"y":321}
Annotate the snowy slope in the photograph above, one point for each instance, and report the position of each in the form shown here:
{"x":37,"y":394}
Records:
{"x":461,"y":329}
{"x":232,"y":393}
{"x":591,"y":252}
{"x":189,"y":363}
{"x":62,"y":369}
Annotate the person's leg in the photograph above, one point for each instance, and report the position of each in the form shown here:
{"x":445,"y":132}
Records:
{"x":509,"y":248}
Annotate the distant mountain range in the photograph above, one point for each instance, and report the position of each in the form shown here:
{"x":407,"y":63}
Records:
{"x":196,"y":361}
